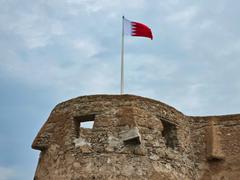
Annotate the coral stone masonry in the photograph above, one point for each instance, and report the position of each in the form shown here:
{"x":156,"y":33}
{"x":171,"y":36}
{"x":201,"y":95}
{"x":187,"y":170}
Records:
{"x":135,"y":138}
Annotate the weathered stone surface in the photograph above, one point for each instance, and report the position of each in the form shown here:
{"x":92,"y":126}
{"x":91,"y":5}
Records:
{"x":131,"y":136}
{"x":170,"y":144}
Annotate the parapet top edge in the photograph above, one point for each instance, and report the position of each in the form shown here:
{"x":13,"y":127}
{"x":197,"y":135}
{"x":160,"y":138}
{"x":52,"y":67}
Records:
{"x":114,"y":96}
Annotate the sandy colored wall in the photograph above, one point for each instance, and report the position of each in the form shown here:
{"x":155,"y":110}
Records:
{"x":216,"y":141}
{"x":135,"y":138}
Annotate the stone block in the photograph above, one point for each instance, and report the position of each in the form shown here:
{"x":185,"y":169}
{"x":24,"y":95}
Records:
{"x":131,"y":136}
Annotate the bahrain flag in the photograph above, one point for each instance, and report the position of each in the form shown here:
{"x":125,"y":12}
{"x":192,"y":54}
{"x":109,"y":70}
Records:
{"x":132,"y":28}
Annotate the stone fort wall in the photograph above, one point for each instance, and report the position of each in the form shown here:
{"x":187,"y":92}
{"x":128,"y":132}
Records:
{"x":135,"y":138}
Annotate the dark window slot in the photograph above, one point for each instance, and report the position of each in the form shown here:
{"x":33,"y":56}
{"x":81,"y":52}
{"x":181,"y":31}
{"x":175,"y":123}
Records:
{"x":170,"y":134}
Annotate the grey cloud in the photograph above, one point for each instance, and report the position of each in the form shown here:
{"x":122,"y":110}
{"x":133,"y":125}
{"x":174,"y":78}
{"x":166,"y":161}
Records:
{"x":66,"y":48}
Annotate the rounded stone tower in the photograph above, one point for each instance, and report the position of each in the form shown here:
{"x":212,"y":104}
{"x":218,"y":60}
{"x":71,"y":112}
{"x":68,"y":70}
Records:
{"x":132,"y":138}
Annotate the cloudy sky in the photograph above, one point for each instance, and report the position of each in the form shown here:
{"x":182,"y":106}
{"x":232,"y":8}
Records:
{"x":54,"y":50}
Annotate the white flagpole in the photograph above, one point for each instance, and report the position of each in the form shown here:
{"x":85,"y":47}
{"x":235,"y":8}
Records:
{"x":122,"y":59}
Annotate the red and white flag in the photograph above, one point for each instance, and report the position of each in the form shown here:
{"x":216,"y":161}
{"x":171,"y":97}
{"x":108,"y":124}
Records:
{"x":132,"y":28}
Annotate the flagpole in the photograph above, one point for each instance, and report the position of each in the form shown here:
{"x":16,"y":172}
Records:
{"x":122,"y":59}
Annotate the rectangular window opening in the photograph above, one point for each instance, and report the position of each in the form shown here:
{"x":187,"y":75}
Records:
{"x":86,"y":122}
{"x":170,"y":134}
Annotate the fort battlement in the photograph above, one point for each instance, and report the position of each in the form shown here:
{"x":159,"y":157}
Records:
{"x":135,"y":138}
